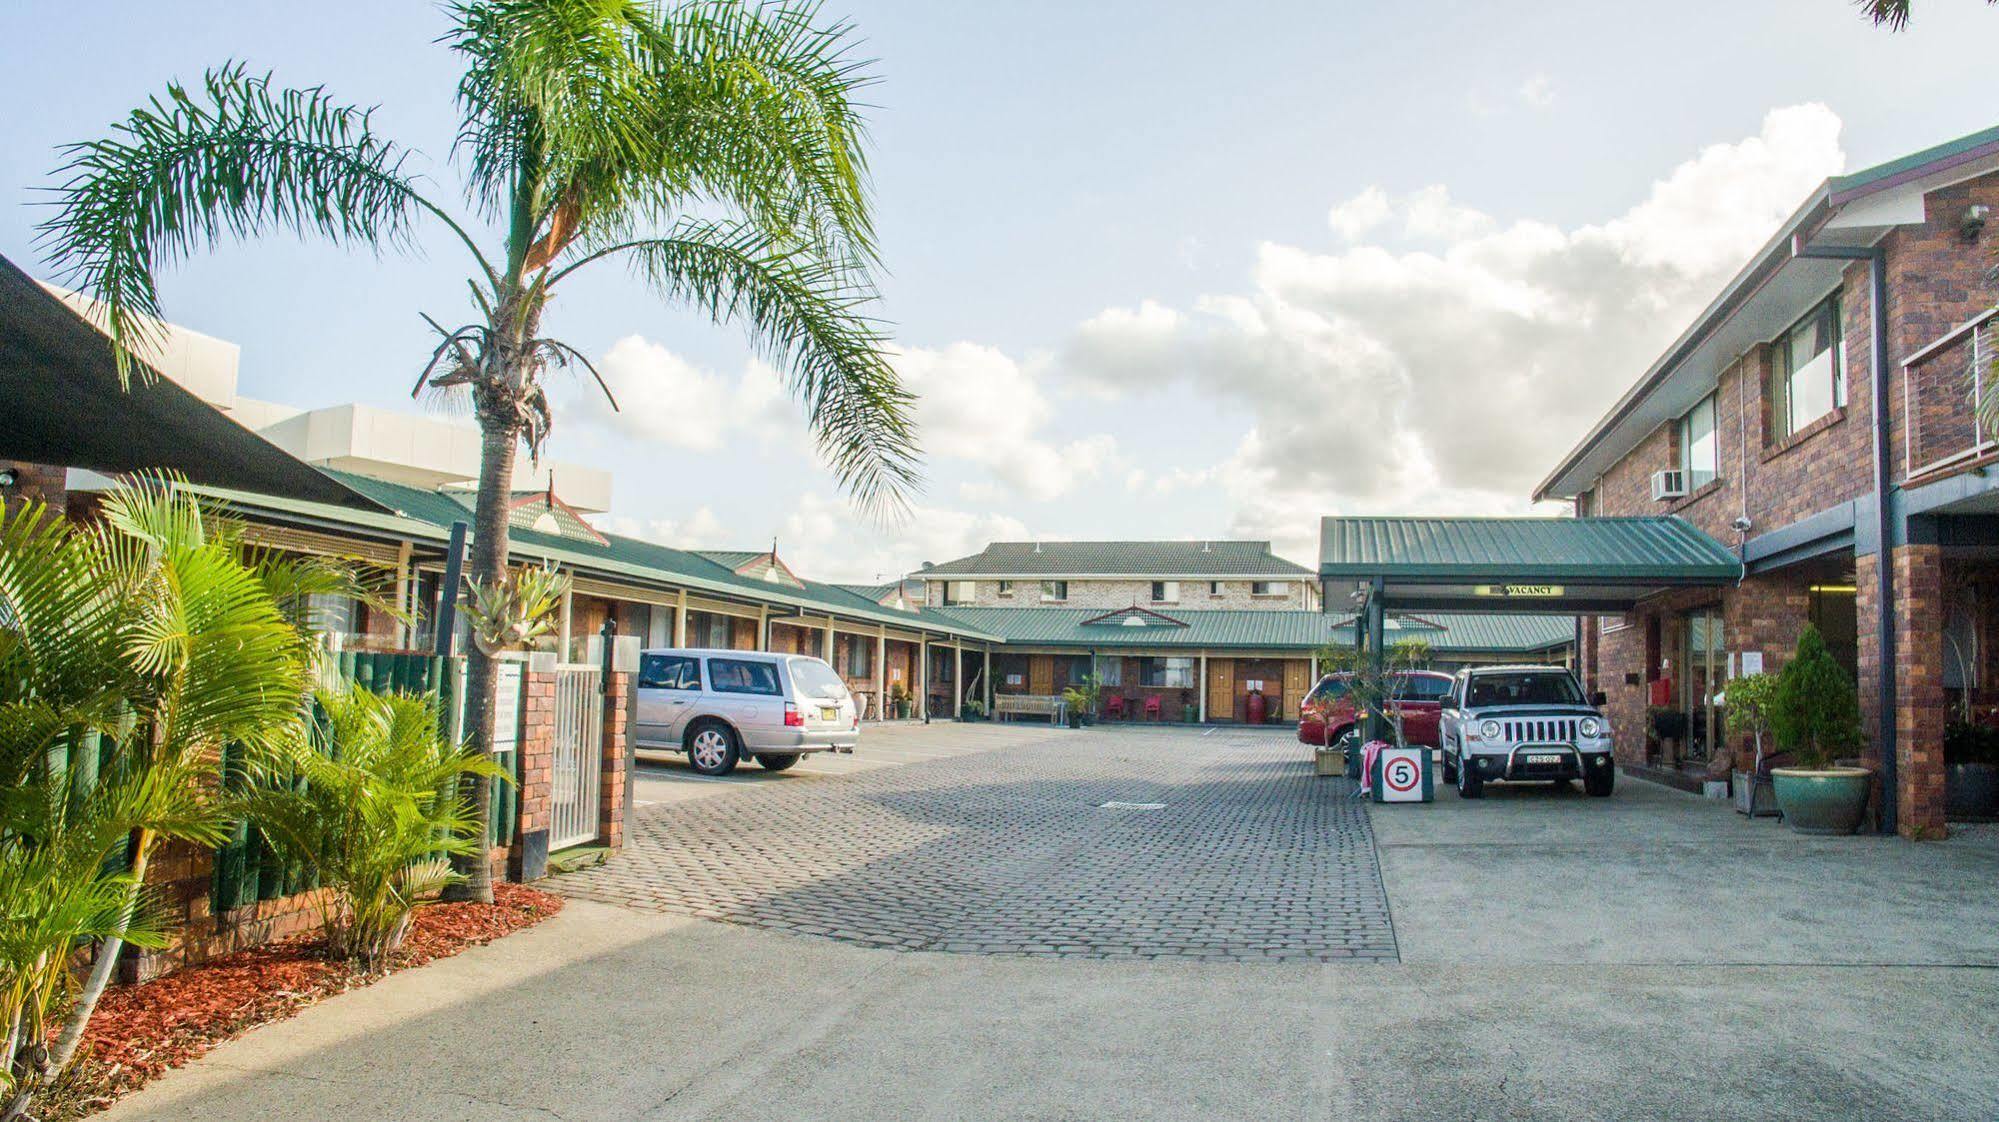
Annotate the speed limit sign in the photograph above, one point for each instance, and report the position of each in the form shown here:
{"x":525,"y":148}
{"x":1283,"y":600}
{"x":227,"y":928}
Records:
{"x":1402,"y":775}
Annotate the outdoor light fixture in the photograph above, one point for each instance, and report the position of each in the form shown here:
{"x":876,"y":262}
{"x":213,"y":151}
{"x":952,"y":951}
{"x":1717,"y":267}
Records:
{"x":1973,"y":222}
{"x":9,"y":477}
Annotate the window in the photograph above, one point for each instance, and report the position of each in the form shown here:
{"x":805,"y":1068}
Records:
{"x":1167,"y":673}
{"x":1054,"y":591}
{"x":1166,"y":592}
{"x":1214,"y":588}
{"x":733,"y":676}
{"x":710,"y":629}
{"x":669,"y":672}
{"x":1700,"y":457}
{"x":334,"y":614}
{"x":1422,"y":687}
{"x":1110,"y":672}
{"x":960,"y":592}
{"x":1269,"y":587}
{"x":1006,"y":588}
{"x":860,"y":660}
{"x":1807,"y":371}
{"x":1329,"y":689}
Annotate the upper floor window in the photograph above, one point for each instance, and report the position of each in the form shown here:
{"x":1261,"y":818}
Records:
{"x":960,"y":592}
{"x":1700,"y":457}
{"x":1054,"y":591}
{"x":1006,"y":588}
{"x":1166,"y":592}
{"x":1807,"y":370}
{"x":1214,"y":588}
{"x":1269,"y":587}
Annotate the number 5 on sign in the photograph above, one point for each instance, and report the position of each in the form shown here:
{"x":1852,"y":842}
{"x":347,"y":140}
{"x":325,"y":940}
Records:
{"x":1402,"y":775}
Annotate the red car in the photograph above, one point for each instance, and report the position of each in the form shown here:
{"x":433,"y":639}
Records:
{"x":1328,"y":711}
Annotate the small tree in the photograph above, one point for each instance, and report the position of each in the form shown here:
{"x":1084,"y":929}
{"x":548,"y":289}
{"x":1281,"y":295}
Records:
{"x":1749,"y":701}
{"x":1412,"y":653}
{"x":1814,"y":710}
{"x":1372,"y":693}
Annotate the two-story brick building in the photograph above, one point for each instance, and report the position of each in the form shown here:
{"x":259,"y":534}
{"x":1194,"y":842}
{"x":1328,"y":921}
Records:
{"x":1184,"y":630}
{"x":1819,"y":416}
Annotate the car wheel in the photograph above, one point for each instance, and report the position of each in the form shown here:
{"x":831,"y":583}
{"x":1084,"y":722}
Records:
{"x":775,"y":762}
{"x":1471,"y":785}
{"x":1450,"y":767}
{"x":1601,"y":784}
{"x":712,"y":748}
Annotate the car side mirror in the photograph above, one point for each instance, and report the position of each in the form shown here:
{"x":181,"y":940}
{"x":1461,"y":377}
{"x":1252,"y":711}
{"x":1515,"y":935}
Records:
{"x":1599,"y":699}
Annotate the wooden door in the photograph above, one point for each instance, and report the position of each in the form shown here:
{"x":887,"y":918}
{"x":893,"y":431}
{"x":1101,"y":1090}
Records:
{"x":1041,"y":674}
{"x":1297,"y":681}
{"x":1221,"y":689}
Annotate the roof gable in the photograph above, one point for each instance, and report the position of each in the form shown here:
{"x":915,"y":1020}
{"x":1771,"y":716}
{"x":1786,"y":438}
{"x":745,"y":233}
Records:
{"x":1133,"y":616}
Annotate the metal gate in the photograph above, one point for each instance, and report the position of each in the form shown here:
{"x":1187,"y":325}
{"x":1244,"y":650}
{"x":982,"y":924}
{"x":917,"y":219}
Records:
{"x":575,"y":797}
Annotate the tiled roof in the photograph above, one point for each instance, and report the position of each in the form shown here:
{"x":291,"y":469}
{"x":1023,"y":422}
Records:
{"x":1129,"y":559}
{"x":429,"y":514}
{"x":1524,"y":549}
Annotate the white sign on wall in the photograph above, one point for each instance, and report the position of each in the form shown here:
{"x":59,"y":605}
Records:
{"x":506,"y":706}
{"x":1752,"y":662}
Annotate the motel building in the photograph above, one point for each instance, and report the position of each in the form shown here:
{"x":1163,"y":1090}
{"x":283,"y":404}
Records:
{"x":1818,"y":421}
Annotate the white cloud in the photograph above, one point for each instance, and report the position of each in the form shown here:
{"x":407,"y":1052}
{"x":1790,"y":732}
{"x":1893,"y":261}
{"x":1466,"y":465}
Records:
{"x":664,"y":399}
{"x":699,"y":530}
{"x":1538,"y":91}
{"x":1450,"y":377}
{"x":822,"y":539}
{"x":1360,"y":215}
{"x":975,"y":404}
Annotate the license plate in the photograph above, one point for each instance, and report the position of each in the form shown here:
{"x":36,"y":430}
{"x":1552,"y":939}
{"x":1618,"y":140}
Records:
{"x":829,"y":714}
{"x":1544,"y":759}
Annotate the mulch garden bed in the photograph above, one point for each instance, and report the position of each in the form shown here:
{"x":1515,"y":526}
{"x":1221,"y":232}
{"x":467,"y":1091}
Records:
{"x":141,"y":1031}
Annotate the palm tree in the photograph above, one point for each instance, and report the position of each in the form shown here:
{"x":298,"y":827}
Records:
{"x":1891,"y":14}
{"x":713,"y":147}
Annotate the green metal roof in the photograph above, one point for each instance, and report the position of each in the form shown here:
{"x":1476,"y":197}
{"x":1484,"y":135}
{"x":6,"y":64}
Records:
{"x":1446,"y":632}
{"x":1915,"y":164}
{"x":419,"y":514}
{"x":1498,"y":631}
{"x":1647,"y":550}
{"x":1128,"y":559}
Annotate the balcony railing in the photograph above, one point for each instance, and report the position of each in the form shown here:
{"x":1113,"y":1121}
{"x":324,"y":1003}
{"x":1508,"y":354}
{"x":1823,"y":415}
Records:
{"x":1943,"y":386}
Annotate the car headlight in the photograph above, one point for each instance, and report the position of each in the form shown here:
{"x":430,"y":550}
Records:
{"x":1489,"y":730}
{"x":1589,"y":727}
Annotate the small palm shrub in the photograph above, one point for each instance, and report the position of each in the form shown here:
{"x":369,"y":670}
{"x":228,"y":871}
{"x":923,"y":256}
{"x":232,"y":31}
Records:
{"x":376,"y":809}
{"x":1814,"y":709}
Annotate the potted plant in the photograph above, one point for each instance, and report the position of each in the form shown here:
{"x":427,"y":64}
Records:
{"x":1082,"y":698}
{"x":972,"y":710}
{"x":898,"y":696}
{"x":1189,"y":712}
{"x":1076,"y":700}
{"x":1815,"y":715}
{"x":1971,"y":770}
{"x":1748,"y":706}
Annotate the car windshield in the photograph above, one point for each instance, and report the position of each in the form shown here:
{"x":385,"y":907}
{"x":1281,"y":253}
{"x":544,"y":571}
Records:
{"x":1332,"y":689}
{"x":1422,"y":687}
{"x":816,"y":679}
{"x":1534,"y":687}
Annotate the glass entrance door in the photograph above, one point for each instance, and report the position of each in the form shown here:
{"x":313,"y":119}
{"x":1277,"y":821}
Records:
{"x":1706,"y":661}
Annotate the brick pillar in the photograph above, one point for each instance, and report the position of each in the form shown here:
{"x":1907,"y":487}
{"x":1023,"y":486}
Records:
{"x":616,"y":761}
{"x":1867,"y":614}
{"x":527,"y":857}
{"x":1919,"y":696}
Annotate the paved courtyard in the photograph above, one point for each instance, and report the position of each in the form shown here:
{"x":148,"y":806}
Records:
{"x":1111,"y":843}
{"x":1651,"y":955}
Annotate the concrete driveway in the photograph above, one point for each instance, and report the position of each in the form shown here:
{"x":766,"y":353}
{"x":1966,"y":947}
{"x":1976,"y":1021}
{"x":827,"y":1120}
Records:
{"x":1708,"y":968}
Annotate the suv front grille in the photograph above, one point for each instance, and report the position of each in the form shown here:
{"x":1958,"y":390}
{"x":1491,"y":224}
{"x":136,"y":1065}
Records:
{"x":1545,"y":730}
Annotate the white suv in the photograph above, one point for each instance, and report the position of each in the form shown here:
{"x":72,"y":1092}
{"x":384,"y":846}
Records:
{"x":1524,"y":723}
{"x":719,"y":706}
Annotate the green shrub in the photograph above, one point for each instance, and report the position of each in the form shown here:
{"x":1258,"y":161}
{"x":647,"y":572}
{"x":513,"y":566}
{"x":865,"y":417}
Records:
{"x":375,"y":813}
{"x":1814,"y":711}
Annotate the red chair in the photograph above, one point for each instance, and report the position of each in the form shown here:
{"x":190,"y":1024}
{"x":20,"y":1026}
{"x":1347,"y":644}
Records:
{"x":1114,"y":707}
{"x":1152,"y":708}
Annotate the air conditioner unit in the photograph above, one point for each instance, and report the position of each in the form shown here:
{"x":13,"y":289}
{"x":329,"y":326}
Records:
{"x":1669,"y":484}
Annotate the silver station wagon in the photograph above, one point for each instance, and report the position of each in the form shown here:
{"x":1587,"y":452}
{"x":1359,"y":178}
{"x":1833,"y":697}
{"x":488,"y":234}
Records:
{"x":719,"y":706}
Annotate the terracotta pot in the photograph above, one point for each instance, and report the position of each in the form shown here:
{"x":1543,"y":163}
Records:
{"x":1822,"y":801}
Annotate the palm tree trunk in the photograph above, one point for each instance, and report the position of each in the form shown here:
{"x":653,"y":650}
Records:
{"x":499,"y":442}
{"x":93,"y":990}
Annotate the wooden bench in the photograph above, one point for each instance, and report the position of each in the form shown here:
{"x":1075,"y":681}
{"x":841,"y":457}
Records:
{"x":1030,"y":705}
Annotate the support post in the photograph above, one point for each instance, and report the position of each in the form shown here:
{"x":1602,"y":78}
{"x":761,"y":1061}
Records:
{"x":447,"y":592}
{"x":680,"y":622}
{"x":957,"y":680}
{"x":763,"y":627}
{"x":568,"y":618}
{"x":922,"y":690}
{"x":405,"y":597}
{"x":1204,"y":688}
{"x":1376,"y":624}
{"x":826,"y":642}
{"x":881,"y":673}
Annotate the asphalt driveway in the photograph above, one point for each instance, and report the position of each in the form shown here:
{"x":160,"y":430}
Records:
{"x":1646,"y":956}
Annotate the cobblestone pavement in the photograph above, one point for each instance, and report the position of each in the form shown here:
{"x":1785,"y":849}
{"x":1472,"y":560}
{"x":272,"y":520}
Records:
{"x":1011,"y":851}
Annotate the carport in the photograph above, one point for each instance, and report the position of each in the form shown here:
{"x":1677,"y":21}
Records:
{"x":1562,"y":566}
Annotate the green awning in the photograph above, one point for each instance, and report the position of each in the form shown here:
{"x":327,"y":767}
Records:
{"x":1585,"y":565}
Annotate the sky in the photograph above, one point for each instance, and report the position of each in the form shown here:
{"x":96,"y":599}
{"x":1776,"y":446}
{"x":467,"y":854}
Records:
{"x":1156,"y":269}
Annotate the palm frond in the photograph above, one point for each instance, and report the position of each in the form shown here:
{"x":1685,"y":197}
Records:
{"x":233,"y":157}
{"x":806,"y":315}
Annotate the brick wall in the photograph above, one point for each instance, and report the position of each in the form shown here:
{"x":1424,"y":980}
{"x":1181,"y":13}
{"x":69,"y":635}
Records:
{"x":1919,"y":696}
{"x":35,"y":483}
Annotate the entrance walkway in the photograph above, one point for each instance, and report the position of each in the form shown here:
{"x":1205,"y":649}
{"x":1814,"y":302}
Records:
{"x":1224,"y":847}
